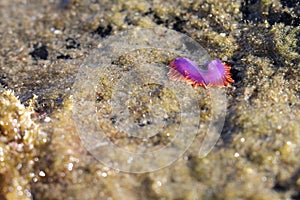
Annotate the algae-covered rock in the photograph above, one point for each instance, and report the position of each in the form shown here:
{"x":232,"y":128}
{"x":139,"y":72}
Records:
{"x":42,"y":45}
{"x":20,"y":137}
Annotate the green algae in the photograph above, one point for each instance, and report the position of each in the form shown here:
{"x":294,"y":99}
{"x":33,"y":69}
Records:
{"x":258,"y":157}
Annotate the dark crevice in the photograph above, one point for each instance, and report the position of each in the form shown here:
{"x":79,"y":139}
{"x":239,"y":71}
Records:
{"x":39,"y":52}
{"x":283,"y":17}
{"x":72,"y":44}
{"x":179,"y":25}
{"x":65,"y":57}
{"x":157,"y":19}
{"x":149,"y":12}
{"x":103,"y":31}
{"x":280,"y":188}
{"x":251,"y":10}
{"x":3,"y":82}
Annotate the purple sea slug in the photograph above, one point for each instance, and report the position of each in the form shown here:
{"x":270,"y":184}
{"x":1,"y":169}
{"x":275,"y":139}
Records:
{"x":214,"y":74}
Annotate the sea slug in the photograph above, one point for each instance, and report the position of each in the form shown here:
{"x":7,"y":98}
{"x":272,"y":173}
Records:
{"x":213,"y":74}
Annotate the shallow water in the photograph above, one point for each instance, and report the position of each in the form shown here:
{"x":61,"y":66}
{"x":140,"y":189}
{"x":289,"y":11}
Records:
{"x":257,"y":156}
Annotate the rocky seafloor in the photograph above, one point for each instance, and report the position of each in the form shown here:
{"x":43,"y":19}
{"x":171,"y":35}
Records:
{"x":42,"y":45}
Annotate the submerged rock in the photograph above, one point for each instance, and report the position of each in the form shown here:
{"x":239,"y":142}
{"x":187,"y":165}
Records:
{"x":258,"y":155}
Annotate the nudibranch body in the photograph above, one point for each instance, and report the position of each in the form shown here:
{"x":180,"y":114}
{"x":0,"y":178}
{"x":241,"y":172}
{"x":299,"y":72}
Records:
{"x":214,"y":74}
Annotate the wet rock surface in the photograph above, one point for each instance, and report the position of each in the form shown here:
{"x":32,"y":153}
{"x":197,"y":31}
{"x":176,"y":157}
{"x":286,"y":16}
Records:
{"x":42,"y":45}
